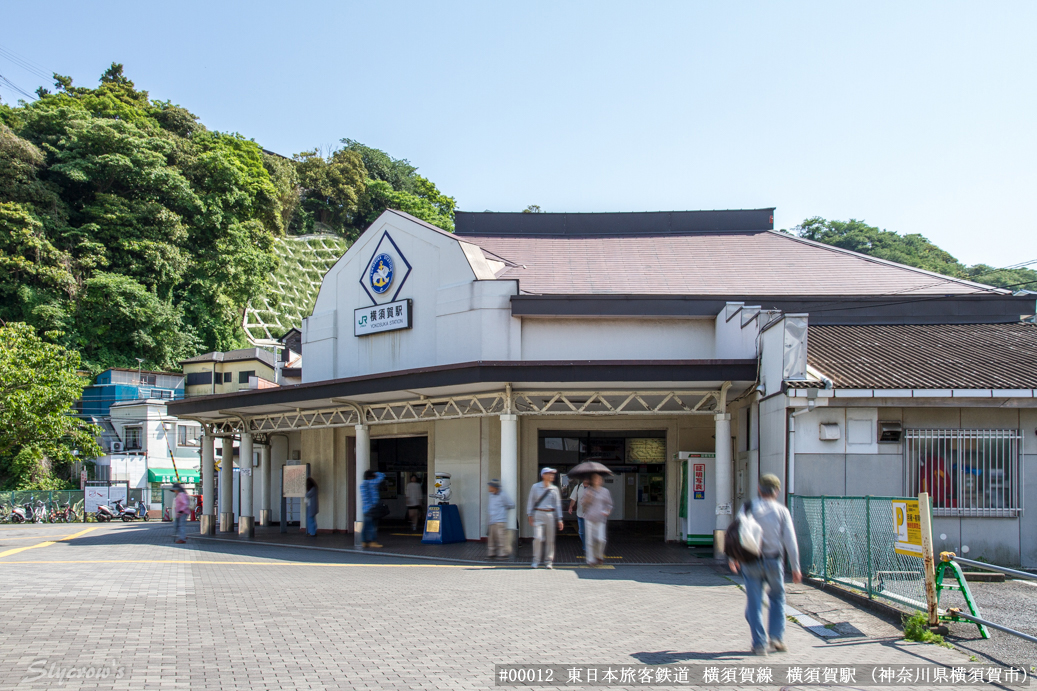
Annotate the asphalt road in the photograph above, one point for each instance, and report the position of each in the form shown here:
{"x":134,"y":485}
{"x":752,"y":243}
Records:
{"x":1013,"y":604}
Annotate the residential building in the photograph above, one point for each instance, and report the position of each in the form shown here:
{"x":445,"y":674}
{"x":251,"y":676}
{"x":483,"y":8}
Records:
{"x":150,"y":448}
{"x":229,"y":372}
{"x":123,"y":384}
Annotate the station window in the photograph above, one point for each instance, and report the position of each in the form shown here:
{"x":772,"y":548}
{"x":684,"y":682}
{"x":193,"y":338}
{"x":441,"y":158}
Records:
{"x":967,"y":472}
{"x":243,"y":376}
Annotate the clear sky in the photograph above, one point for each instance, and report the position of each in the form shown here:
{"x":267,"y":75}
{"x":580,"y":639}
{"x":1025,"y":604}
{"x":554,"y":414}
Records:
{"x":916,"y":117}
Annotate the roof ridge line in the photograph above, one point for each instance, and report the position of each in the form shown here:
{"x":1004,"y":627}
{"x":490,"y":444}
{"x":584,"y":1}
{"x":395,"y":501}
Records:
{"x":887,"y":262}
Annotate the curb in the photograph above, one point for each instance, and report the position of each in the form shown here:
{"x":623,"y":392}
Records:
{"x":399,"y":555}
{"x":892,"y":614}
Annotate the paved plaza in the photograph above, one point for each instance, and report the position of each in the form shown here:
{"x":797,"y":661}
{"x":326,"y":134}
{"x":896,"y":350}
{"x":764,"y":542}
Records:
{"x":224,"y":615}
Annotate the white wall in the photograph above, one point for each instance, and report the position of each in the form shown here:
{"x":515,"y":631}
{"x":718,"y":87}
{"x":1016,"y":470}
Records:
{"x":459,"y":313}
{"x":459,"y":452}
{"x":617,"y":339}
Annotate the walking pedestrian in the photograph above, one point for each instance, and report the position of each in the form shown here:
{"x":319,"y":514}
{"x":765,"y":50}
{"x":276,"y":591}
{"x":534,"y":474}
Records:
{"x":544,"y":510}
{"x":499,"y":542}
{"x":312,"y":507}
{"x":371,"y":495}
{"x":180,"y":503}
{"x":777,"y":541}
{"x":597,"y":505}
{"x":415,"y":496}
{"x":574,"y":503}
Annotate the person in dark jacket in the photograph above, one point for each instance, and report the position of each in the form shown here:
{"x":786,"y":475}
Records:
{"x":312,"y":507}
{"x":370,"y":493}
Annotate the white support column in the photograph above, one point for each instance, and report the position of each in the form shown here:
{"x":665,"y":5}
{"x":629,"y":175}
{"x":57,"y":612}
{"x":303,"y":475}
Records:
{"x":227,"y":486}
{"x":264,"y":484}
{"x":363,"y":464}
{"x":207,"y":520}
{"x":509,"y":463}
{"x":246,"y":521}
{"x":724,"y":484}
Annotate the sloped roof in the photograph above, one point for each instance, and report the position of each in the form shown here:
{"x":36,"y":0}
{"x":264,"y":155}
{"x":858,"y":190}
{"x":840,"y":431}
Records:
{"x":926,"y":356}
{"x":707,"y":263}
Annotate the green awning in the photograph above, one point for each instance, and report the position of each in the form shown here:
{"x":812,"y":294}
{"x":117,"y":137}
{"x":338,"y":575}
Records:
{"x":189,"y":476}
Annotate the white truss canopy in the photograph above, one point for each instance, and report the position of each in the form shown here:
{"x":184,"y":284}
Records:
{"x":539,"y":403}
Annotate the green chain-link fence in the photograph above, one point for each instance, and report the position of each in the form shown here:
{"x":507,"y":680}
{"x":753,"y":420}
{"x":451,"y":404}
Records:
{"x":53,"y":500}
{"x":849,"y":541}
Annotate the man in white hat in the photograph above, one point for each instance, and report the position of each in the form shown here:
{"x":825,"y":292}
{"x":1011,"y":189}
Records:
{"x":544,"y":509}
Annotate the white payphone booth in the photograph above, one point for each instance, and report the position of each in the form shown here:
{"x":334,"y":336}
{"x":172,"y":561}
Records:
{"x":699,"y":519}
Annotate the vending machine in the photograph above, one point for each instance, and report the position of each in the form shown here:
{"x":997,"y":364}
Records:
{"x":699,"y":515}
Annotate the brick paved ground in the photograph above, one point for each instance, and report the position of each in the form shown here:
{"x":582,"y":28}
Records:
{"x":233,"y":615}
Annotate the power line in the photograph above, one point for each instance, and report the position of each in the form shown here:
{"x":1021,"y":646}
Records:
{"x":17,"y":88}
{"x":24,"y":63}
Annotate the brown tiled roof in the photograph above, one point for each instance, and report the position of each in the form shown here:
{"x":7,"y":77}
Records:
{"x":926,"y":356}
{"x":723,"y":263}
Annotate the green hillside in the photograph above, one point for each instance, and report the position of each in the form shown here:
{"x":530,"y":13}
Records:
{"x":129,"y":230}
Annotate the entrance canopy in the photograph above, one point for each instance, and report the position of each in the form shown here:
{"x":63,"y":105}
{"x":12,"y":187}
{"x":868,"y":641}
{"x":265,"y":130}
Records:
{"x":599,"y":388}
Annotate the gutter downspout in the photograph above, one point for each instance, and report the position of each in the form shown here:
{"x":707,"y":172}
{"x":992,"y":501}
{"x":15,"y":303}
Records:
{"x":790,"y":481}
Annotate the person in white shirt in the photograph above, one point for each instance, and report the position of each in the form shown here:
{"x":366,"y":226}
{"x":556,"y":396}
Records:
{"x":415,"y":496}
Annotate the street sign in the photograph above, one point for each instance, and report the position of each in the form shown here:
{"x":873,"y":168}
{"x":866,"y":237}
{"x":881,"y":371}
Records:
{"x":907,"y":524}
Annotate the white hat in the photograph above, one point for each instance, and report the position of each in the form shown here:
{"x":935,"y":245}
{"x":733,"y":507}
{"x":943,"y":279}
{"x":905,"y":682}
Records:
{"x":544,"y":471}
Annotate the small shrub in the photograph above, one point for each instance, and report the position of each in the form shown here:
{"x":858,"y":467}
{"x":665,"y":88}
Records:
{"x":916,"y":628}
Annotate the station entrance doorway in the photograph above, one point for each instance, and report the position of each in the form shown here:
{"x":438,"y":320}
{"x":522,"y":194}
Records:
{"x":637,"y":460}
{"x":401,"y":458}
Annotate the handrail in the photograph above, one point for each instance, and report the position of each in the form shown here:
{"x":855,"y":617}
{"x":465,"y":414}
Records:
{"x":956,"y":613}
{"x":951,"y":556}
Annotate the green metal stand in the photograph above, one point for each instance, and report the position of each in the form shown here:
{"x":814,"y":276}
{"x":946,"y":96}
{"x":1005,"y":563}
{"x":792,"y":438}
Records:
{"x":963,"y":587}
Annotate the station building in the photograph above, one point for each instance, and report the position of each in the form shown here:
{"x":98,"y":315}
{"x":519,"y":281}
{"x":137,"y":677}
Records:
{"x":691,"y":352}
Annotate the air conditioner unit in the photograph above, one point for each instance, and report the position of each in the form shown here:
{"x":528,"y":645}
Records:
{"x":117,"y":447}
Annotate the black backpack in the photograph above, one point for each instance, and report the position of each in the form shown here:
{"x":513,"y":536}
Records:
{"x":733,"y":542}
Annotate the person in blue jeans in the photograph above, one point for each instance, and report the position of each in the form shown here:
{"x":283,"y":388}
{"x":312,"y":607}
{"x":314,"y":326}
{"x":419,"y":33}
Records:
{"x":371,"y":495}
{"x":778,"y":540}
{"x":312,"y":507}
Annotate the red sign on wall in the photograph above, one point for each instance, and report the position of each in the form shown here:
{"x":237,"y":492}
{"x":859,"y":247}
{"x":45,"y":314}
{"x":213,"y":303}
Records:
{"x":699,"y":477}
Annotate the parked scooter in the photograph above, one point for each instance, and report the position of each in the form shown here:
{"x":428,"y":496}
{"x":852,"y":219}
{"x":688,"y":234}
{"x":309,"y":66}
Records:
{"x":39,"y":512}
{"x":21,"y":514}
{"x":132,"y":513}
{"x":105,"y":513}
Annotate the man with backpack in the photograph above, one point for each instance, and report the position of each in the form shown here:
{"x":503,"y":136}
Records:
{"x":757,"y":544}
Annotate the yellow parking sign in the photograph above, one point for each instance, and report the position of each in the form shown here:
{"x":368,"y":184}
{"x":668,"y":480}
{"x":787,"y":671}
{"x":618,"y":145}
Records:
{"x":907,"y":523}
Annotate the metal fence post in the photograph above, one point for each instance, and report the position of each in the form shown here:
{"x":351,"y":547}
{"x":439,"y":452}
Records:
{"x":824,"y":538}
{"x":867,"y":509}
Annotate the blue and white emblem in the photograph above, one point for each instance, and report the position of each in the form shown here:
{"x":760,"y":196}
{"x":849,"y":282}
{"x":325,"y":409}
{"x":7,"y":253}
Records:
{"x":383,"y":277}
{"x":381,"y":273}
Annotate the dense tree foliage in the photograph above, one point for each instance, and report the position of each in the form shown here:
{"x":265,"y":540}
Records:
{"x":39,"y":440}
{"x":128,"y":229}
{"x":913,"y":250}
{"x":344,"y":191}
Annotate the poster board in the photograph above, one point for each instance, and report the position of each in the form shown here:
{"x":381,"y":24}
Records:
{"x":907,"y":524}
{"x":293,"y":480}
{"x":97,"y":495}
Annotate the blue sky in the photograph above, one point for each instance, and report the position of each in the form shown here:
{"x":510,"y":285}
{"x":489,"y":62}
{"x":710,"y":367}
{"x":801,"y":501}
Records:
{"x":916,"y":117}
